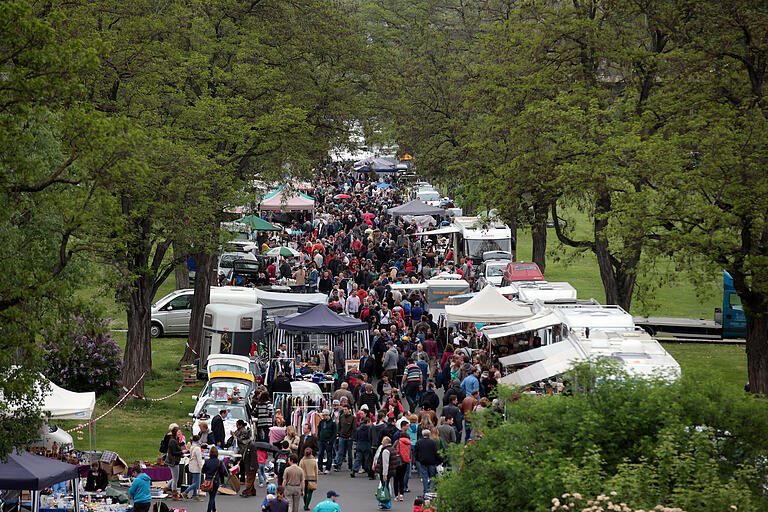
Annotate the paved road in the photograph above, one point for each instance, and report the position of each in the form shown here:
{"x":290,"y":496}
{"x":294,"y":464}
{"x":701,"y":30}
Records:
{"x":357,"y":494}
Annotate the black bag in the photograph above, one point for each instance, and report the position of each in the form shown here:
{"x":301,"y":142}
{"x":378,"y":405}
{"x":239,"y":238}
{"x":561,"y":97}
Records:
{"x":164,"y":444}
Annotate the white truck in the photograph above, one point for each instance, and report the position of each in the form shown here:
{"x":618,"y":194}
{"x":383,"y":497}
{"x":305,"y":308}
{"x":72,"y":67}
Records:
{"x":473,"y":238}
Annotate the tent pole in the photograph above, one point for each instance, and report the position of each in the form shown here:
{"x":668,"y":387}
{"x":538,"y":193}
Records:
{"x":35,"y":495}
{"x":76,"y":492}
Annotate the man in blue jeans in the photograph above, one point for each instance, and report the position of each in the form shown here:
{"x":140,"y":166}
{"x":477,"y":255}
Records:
{"x":347,"y":424}
{"x":326,"y":435}
{"x":426,"y":454}
{"x":364,"y":455}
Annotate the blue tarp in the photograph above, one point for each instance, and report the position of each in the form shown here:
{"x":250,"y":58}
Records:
{"x":26,"y":471}
{"x":322,"y":319}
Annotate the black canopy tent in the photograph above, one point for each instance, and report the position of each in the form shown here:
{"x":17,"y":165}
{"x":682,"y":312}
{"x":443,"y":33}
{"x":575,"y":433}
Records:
{"x":415,"y":208}
{"x":24,"y":471}
{"x":320,"y":325}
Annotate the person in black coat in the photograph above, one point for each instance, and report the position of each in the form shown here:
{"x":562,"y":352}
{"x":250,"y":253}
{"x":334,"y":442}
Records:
{"x":213,"y":469}
{"x":217,"y":427}
{"x":97,"y":479}
{"x":430,"y":400}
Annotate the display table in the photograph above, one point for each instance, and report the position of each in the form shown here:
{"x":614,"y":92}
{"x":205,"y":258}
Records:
{"x":156,"y":474}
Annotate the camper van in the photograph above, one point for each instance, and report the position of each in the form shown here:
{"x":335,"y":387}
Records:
{"x":229,"y":329}
{"x":544,"y":291}
{"x":438,"y":291}
{"x":472,"y":239}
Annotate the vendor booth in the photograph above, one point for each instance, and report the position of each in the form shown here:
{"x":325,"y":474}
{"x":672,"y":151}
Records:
{"x":287,"y":200}
{"x":304,"y":334}
{"x":415,"y":208}
{"x":24,"y":471}
{"x":487,"y":306}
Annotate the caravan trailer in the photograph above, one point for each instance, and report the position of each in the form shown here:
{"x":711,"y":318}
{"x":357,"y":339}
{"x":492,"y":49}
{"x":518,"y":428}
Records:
{"x":472,"y":240}
{"x":229,"y":329}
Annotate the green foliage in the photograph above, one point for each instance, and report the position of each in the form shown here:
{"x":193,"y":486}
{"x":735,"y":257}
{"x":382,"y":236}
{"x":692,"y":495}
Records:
{"x":81,"y":355}
{"x":688,"y":444}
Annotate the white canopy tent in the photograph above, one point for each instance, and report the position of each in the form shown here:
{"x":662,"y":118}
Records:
{"x":63,"y":404}
{"x":445,"y":230}
{"x":556,"y":364}
{"x":487,"y":306}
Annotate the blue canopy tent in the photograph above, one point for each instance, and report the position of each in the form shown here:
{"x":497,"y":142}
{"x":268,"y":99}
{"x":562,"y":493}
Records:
{"x":24,"y":471}
{"x":308,"y":331}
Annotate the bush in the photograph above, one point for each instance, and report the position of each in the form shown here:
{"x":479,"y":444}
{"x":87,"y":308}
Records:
{"x":81,"y":354}
{"x":688,"y":444}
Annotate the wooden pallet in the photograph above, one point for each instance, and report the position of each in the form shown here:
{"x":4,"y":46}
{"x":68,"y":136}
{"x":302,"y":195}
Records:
{"x":190,"y":375}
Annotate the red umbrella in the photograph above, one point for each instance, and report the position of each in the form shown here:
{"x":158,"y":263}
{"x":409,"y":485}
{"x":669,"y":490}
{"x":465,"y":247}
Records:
{"x":342,"y":196}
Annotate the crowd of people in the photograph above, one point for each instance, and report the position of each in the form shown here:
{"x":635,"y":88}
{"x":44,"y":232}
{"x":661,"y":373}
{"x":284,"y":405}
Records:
{"x":387,"y":421}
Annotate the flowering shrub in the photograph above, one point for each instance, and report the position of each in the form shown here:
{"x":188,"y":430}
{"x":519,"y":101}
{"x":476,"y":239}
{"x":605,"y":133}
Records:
{"x":81,"y":355}
{"x":602,"y":503}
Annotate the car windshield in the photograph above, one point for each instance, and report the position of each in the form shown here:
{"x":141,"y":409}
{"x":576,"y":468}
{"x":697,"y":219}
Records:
{"x":495,"y":270}
{"x":227,"y":260}
{"x":429,"y":196}
{"x":228,"y":388}
{"x":236,"y":412}
{"x":476,"y":248}
{"x":226,"y":368}
{"x":246,"y":265}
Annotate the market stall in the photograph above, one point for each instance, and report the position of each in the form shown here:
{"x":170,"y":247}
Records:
{"x":487,"y":306}
{"x":287,"y":200}
{"x":416,"y":208}
{"x":24,"y":471}
{"x":306,"y":333}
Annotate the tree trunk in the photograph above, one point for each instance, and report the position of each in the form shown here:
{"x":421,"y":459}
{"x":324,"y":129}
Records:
{"x":757,"y":352}
{"x":137,"y":358}
{"x":539,"y":235}
{"x":203,"y":278}
{"x":181,"y":272}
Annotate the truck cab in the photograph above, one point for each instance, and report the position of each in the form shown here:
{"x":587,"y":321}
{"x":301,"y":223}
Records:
{"x":734,"y":321}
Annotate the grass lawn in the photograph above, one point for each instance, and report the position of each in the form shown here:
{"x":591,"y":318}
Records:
{"x":726,"y":364}
{"x":676,"y":300}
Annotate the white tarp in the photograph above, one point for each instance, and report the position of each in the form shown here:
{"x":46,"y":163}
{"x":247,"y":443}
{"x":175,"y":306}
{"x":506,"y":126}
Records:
{"x":550,"y":367}
{"x":487,"y":306}
{"x":541,"y":320}
{"x":280,"y":300}
{"x":304,"y":388}
{"x":63,"y":404}
{"x":539,"y":354}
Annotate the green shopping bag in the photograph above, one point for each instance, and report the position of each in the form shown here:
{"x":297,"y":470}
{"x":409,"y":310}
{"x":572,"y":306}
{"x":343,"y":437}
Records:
{"x":382,"y":494}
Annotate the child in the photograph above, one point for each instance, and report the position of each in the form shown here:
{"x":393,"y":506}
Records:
{"x":418,"y":505}
{"x":261,"y":459}
{"x":271,"y":493}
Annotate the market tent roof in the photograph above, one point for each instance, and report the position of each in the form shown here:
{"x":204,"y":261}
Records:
{"x":415,"y":208}
{"x":26,"y":471}
{"x":322,"y":319}
{"x":556,"y":364}
{"x":283,"y":300}
{"x":258,"y":224}
{"x":285,"y":200}
{"x":376,"y":163}
{"x":487,"y":306}
{"x":63,"y":404}
{"x":541,"y":320}
{"x":440,"y":231}
{"x":540,"y":354}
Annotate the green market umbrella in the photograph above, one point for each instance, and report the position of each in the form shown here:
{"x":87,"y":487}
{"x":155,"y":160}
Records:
{"x":282,"y":251}
{"x":258,"y":224}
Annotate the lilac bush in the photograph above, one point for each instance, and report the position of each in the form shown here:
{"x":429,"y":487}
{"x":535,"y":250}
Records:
{"x":81,"y":354}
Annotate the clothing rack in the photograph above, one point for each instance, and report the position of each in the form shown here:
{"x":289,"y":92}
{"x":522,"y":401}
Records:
{"x":302,"y":409}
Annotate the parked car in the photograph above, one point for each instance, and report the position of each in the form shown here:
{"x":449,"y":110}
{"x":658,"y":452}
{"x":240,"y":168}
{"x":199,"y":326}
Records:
{"x":171,"y":314}
{"x":490,"y":272}
{"x":207,"y":409}
{"x":50,"y":434}
{"x":226,"y":262}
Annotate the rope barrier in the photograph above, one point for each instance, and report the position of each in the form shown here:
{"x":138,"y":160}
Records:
{"x":129,"y":392}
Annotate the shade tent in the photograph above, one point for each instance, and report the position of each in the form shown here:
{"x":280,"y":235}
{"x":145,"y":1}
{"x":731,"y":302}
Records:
{"x":258,"y":224}
{"x":556,"y":364}
{"x":376,"y":164}
{"x":447,"y":230}
{"x":24,"y":471}
{"x":63,"y":404}
{"x":322,"y":319}
{"x":307,"y":332}
{"x":287,"y":201}
{"x":415,"y":208}
{"x":271,"y":300}
{"x":488,"y":306}
{"x":541,"y":320}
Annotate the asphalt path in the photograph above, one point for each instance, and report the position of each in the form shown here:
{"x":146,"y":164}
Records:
{"x":356,"y":494}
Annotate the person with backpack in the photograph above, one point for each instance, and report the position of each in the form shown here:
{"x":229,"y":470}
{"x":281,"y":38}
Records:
{"x":385,"y":463}
{"x":214,"y":473}
{"x":281,"y":461}
{"x":402,"y":449}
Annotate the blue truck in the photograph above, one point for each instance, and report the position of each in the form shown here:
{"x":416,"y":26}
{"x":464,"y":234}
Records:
{"x":729,"y":321}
